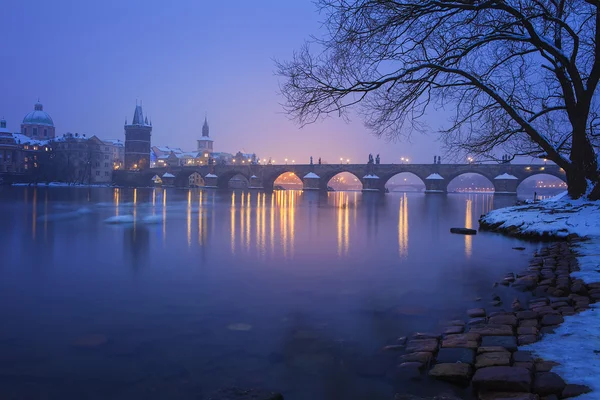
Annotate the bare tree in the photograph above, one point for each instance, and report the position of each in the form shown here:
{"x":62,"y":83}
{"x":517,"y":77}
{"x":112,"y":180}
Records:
{"x":520,"y":76}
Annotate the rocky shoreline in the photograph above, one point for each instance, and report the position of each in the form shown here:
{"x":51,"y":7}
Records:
{"x":482,"y":352}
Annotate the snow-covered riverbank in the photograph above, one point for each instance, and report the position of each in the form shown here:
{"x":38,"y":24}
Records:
{"x":576,"y":343}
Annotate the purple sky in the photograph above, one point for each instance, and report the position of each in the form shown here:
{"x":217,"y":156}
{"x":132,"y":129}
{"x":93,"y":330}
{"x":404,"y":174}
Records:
{"x":88,"y":62}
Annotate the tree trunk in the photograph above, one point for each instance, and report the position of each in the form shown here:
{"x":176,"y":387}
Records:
{"x":584,"y":165}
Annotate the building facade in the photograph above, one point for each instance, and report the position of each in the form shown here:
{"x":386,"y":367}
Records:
{"x":38,"y":124}
{"x":10,"y":153}
{"x":138,"y":141}
{"x":205,"y":143}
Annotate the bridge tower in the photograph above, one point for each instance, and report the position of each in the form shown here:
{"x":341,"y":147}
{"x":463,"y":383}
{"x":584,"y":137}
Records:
{"x":137,"y":141}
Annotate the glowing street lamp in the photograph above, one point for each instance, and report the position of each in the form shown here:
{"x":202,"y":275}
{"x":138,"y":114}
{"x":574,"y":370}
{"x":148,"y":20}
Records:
{"x":286,"y":161}
{"x":347,"y":161}
{"x":470,"y":159}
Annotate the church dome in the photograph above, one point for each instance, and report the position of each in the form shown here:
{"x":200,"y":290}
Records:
{"x":38,"y":116}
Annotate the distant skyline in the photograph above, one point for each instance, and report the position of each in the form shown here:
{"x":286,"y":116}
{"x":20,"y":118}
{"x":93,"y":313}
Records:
{"x":88,"y":63}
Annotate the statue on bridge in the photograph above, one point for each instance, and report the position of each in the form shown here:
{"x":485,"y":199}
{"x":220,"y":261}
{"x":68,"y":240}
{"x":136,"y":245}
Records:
{"x":370,"y":159}
{"x":319,"y":160}
{"x":377,"y":159}
{"x":311,"y":161}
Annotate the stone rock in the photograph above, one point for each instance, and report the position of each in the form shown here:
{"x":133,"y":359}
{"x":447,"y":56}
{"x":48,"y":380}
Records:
{"x":504,"y":320}
{"x":457,"y":373}
{"x":507,"y":396}
{"x":545,"y":366}
{"x":546,"y":383}
{"x":244,"y":394}
{"x":490,"y":349}
{"x":527,"y":365}
{"x":424,"y":345}
{"x":528,"y":314}
{"x":459,"y":343}
{"x":525,"y":283}
{"x":426,"y":335}
{"x":477,"y":321}
{"x":572,"y":390}
{"x":423,"y":358}
{"x":522,"y":356}
{"x":454,"y":355}
{"x":493,"y":330}
{"x":451,"y":330}
{"x":401,"y":340}
{"x":465,"y":336}
{"x":529,"y":322}
{"x":456,"y":322}
{"x":527,"y":330}
{"x":493,"y":359}
{"x":508,"y":342}
{"x":394,"y":347}
{"x":526,"y":339}
{"x":476,"y":313}
{"x":502,"y":379}
{"x":552,"y":320}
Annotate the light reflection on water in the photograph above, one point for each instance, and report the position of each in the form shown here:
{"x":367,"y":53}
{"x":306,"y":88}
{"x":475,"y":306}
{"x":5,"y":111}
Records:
{"x":322,"y":280}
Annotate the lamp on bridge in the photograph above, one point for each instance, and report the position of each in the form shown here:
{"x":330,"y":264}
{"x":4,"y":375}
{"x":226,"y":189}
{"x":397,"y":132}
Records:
{"x":470,"y":159}
{"x":286,"y":161}
{"x":347,"y":161}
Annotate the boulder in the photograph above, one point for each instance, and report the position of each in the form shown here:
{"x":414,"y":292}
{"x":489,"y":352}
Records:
{"x":476,"y":313}
{"x":493,"y":330}
{"x":501,"y":358}
{"x":572,"y":390}
{"x":422,"y":358}
{"x":454,"y":355}
{"x":424,"y":345}
{"x":508,"y":342}
{"x":526,"y":339}
{"x":527,"y":315}
{"x":426,"y":335}
{"x":457,"y":373}
{"x":502,"y":379}
{"x":504,"y":320}
{"x":529,"y":322}
{"x":549,"y":319}
{"x":490,"y":349}
{"x":522,"y":356}
{"x":527,"y":330}
{"x":547,"y":383}
{"x":451,"y":330}
{"x":545,"y":366}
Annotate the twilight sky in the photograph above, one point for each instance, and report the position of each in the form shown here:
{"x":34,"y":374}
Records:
{"x":88,"y":62}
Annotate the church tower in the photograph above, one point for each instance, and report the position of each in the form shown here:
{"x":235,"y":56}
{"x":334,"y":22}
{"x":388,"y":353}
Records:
{"x":205,"y":143}
{"x":137,"y":141}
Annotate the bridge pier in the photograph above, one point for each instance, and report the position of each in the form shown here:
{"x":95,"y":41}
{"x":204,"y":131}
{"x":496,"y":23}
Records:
{"x":311,"y":181}
{"x":435,"y":183}
{"x":255,"y":183}
{"x":371,"y":183}
{"x":506,"y":184}
{"x":210,"y":181}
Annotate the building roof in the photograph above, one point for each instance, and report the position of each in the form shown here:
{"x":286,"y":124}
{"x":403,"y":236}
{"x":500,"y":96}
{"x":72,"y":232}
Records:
{"x":22,"y":139}
{"x":138,"y":118}
{"x":38,"y":116}
{"x":205,"y":128}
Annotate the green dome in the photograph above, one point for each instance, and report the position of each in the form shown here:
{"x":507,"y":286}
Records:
{"x":38,"y":117}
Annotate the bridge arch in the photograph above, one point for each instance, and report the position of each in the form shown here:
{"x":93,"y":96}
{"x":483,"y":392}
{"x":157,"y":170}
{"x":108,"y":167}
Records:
{"x":402,"y":178}
{"x":473,"y":179}
{"x":328,"y":180}
{"x":182,"y":178}
{"x":541,"y":177}
{"x":224,"y":178}
{"x":289,"y":180}
{"x":271,"y":174}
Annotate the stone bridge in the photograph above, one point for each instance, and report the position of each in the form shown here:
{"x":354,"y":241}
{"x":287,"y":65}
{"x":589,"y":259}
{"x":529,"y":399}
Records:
{"x":505,"y":177}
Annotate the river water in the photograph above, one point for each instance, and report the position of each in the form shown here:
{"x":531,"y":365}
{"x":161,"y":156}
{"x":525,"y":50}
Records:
{"x":188,"y":291}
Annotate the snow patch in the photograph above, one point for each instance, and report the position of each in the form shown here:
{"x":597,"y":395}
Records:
{"x":253,"y":177}
{"x":210,"y":176}
{"x":120,"y":219}
{"x":370,"y":177}
{"x":434,"y":176}
{"x":168,"y":175}
{"x":312,"y":175}
{"x":506,"y":176}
